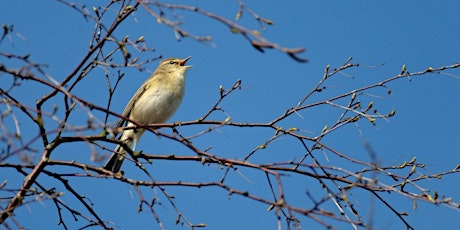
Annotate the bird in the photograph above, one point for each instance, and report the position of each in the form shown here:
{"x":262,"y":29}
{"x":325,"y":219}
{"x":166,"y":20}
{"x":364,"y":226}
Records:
{"x":157,"y":99}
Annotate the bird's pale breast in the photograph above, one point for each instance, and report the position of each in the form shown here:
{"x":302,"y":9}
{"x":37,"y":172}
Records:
{"x":159,"y":104}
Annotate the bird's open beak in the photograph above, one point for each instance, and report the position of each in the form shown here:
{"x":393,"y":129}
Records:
{"x":183,"y":61}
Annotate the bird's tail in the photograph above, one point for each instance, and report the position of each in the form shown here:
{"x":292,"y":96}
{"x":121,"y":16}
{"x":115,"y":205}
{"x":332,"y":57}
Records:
{"x":130,"y":138}
{"x":116,"y":160}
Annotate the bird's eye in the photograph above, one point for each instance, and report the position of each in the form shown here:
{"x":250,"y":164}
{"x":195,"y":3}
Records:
{"x":172,"y":62}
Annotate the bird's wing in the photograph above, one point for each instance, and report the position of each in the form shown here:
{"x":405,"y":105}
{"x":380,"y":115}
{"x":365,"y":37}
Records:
{"x":131,"y":103}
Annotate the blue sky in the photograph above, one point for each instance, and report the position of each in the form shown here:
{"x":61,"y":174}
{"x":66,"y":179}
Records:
{"x":418,"y":34}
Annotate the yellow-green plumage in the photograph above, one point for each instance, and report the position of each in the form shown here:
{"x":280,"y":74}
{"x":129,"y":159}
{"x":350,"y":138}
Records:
{"x":154,"y":102}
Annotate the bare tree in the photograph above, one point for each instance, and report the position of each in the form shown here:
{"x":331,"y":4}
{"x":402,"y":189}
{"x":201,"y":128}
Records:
{"x":57,"y":117}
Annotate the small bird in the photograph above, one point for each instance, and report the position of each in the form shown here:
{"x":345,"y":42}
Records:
{"x":154,"y":102}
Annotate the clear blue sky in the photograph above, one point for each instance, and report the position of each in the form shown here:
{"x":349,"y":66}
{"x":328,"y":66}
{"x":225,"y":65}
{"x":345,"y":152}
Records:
{"x":419,"y":34}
